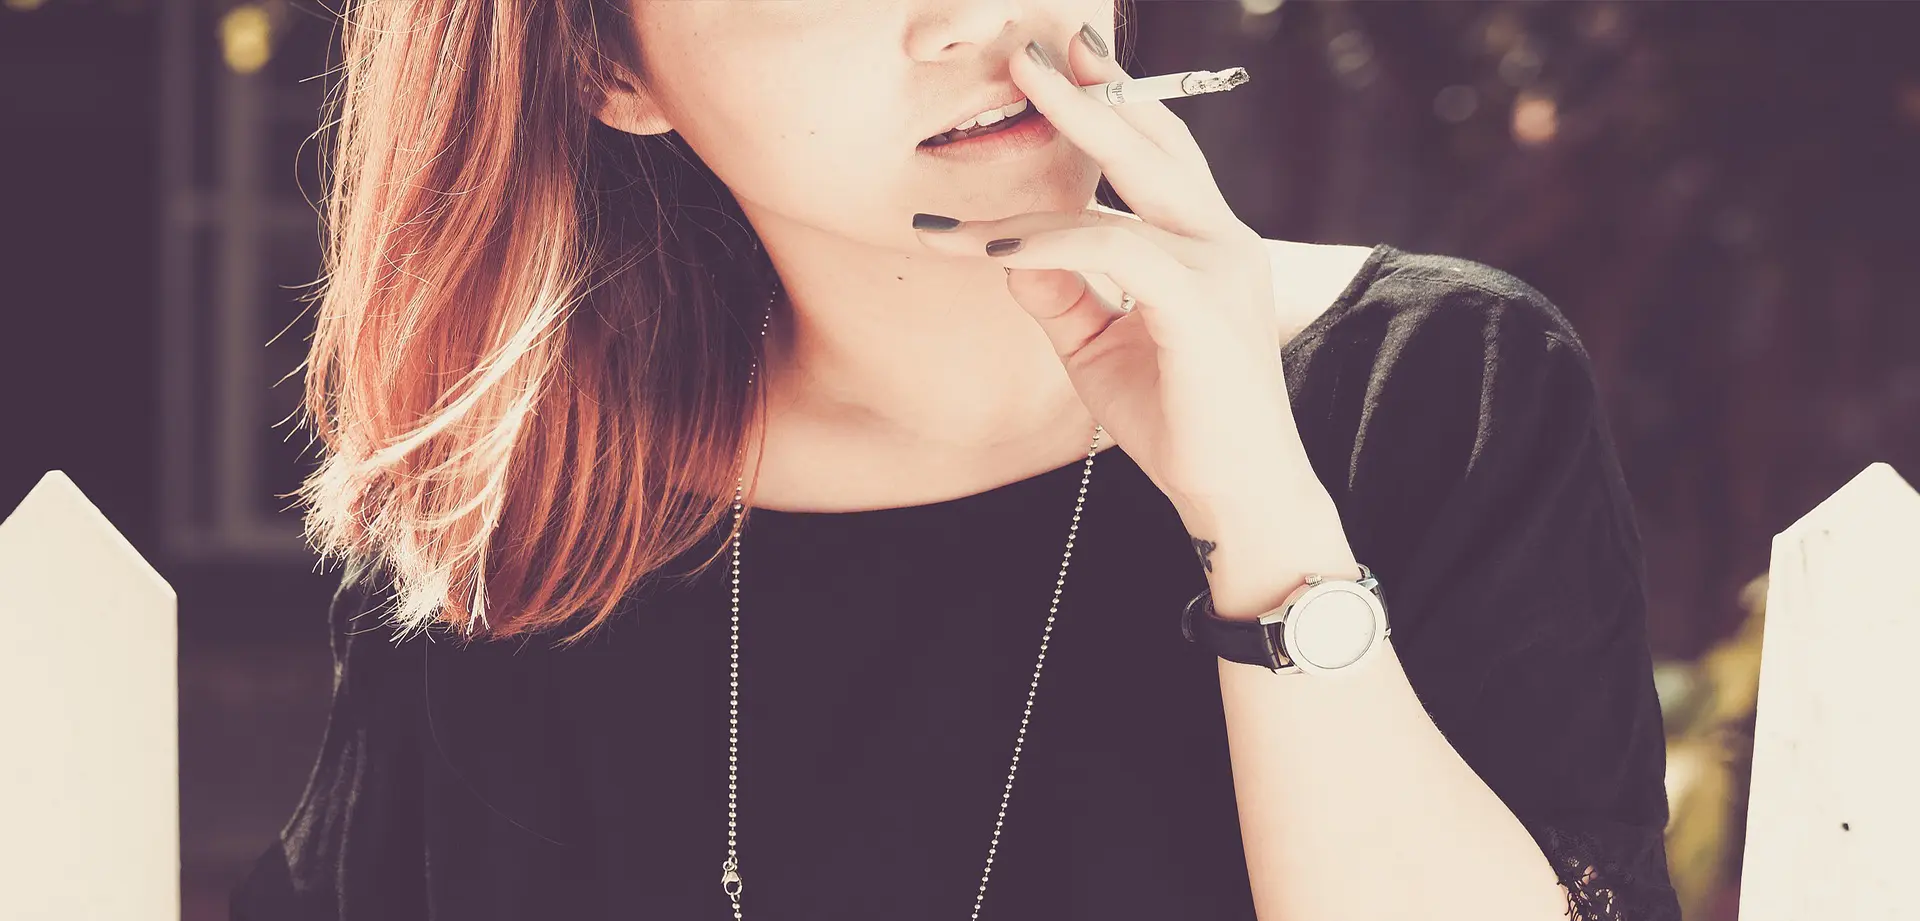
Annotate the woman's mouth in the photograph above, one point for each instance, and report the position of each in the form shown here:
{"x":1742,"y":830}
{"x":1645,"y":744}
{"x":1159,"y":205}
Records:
{"x":941,"y":140}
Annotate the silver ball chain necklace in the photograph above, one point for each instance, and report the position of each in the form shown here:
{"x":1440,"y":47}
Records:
{"x":730,"y":881}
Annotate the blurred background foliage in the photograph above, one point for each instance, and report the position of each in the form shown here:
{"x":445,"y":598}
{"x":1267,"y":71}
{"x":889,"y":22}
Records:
{"x":1720,"y":196}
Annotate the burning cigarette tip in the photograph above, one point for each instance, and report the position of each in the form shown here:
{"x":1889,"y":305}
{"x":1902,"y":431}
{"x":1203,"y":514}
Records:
{"x":1217,"y":81}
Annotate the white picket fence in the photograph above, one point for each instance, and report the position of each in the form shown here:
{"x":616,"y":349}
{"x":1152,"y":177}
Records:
{"x":89,"y":778}
{"x":1833,"y":816}
{"x":89,"y":719}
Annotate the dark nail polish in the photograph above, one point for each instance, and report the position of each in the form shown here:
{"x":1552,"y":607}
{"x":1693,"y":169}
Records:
{"x":934,"y":222}
{"x":1003,"y":246}
{"x":1041,"y":57}
{"x":1092,"y":40}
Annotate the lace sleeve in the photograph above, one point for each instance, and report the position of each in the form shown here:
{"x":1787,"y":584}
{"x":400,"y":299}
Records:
{"x":1610,"y":873}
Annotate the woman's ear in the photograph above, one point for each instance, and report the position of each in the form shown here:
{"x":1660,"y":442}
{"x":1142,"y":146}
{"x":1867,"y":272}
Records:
{"x":627,"y":107}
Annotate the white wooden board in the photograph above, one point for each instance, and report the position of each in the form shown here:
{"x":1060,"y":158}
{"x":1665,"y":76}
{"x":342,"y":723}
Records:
{"x":1834,"y":805}
{"x":89,"y":775}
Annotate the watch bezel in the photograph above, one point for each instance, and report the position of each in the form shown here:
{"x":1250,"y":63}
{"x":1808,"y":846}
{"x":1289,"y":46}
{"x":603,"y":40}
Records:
{"x":1282,"y":647}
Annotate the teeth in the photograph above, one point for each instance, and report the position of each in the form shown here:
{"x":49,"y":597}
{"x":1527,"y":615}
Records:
{"x":991,"y":116}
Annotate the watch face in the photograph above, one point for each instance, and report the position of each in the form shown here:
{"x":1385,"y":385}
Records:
{"x":1331,"y":631}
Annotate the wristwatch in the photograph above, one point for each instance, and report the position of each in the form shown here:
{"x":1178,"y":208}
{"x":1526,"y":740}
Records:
{"x":1324,"y":627}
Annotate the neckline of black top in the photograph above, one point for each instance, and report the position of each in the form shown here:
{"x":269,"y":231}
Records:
{"x":1350,"y":295}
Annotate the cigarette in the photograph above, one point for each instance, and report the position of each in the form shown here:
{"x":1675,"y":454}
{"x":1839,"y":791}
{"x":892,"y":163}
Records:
{"x":1166,"y":86}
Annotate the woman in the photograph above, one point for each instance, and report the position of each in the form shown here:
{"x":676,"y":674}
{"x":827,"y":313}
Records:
{"x":604,"y":273}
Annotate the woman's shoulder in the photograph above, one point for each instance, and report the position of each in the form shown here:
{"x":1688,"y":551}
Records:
{"x":1428,"y":370}
{"x":1309,"y":279}
{"x":1384,"y":293}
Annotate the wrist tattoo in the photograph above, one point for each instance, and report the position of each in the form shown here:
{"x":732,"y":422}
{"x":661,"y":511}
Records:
{"x":1204,"y":548}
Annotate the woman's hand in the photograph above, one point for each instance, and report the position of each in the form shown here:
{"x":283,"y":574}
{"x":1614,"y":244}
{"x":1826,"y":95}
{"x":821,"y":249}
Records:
{"x":1189,"y":381}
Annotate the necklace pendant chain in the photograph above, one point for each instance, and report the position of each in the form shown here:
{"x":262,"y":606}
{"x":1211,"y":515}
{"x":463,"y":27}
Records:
{"x":730,"y":881}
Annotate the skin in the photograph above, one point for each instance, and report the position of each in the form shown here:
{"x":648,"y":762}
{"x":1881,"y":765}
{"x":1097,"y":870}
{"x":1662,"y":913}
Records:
{"x":811,"y":111}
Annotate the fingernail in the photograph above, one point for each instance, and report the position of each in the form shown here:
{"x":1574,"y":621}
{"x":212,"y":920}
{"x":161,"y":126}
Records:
{"x":1003,"y":246}
{"x":1092,"y":40}
{"x":1041,"y":57}
{"x":923,"y":221}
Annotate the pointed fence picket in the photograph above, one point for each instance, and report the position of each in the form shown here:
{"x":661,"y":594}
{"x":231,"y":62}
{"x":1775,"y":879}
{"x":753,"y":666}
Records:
{"x":89,"y":718}
{"x":1833,"y":803}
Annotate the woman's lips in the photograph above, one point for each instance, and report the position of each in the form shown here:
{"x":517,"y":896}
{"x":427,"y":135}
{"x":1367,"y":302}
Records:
{"x":942,"y":139}
{"x":1026,"y":132}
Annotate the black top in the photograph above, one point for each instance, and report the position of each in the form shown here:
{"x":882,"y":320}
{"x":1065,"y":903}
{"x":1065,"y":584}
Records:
{"x":1449,"y":409}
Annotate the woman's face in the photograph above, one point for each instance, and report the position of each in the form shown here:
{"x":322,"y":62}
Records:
{"x":812,"y":111}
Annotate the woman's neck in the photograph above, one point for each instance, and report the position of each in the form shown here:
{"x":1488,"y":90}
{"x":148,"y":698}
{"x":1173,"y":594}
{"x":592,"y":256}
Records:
{"x":844,"y":459}
{"x":948,"y":376}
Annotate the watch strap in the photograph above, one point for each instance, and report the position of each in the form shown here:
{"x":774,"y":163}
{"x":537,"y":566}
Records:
{"x":1248,"y":641}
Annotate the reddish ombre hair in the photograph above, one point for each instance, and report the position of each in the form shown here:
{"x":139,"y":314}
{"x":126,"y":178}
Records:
{"x":533,"y":332}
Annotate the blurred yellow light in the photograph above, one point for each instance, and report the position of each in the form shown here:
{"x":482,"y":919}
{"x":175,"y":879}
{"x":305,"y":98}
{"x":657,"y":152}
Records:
{"x":246,"y":38}
{"x":25,"y":5}
{"x":1536,"y":119}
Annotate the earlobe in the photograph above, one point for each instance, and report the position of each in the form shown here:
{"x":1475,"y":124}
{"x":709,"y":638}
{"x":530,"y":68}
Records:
{"x":624,"y":107}
{"x":624,"y":112}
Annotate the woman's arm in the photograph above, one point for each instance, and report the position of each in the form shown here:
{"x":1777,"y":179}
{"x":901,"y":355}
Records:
{"x":1472,"y":469}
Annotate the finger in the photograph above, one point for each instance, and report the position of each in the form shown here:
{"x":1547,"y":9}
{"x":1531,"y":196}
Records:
{"x":1164,"y":189}
{"x":1068,"y":328}
{"x":971,"y":237}
{"x":1150,"y":116}
{"x":1166,"y":291}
